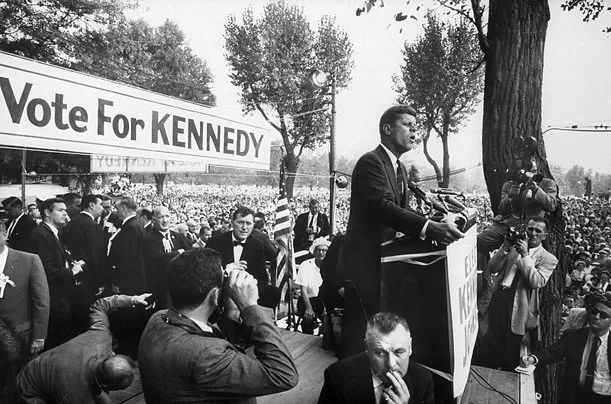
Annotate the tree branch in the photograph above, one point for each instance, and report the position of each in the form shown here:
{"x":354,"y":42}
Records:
{"x":482,"y":60}
{"x":256,"y":102}
{"x":477,"y":16}
{"x":458,"y":11}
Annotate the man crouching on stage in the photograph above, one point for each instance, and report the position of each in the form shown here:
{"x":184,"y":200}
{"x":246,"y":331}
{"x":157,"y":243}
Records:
{"x":184,"y":358}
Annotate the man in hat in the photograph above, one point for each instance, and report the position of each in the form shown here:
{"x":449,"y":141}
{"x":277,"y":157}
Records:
{"x":587,"y":355}
{"x":20,"y":225}
{"x":310,"y":306}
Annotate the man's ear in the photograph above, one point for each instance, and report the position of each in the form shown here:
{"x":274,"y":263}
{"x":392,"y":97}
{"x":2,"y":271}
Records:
{"x":213,"y":296}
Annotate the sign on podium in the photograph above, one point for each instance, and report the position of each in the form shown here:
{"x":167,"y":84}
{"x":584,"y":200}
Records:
{"x":435,"y":289}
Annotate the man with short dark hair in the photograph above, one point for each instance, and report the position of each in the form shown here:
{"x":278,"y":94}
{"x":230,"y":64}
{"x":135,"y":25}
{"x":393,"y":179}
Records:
{"x":73,"y":203}
{"x":384,"y":373}
{"x":523,"y":267}
{"x":20,"y":225}
{"x":84,"y":240}
{"x":310,"y":225}
{"x":240,"y":250}
{"x":183,"y":357}
{"x":85,"y":368}
{"x":378,"y":212}
{"x":587,"y":354}
{"x":146,"y":216}
{"x":44,"y":241}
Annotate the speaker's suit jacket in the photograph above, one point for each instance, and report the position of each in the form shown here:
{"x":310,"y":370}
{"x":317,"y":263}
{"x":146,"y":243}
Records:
{"x":126,"y":258}
{"x":25,"y":306}
{"x":569,"y":348}
{"x":253,"y":253}
{"x":349,"y":381}
{"x":21,"y":232}
{"x":377,"y":212}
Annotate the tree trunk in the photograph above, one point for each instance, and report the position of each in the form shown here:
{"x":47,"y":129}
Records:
{"x":512,"y":108}
{"x":432,"y":162}
{"x":160,"y":183}
{"x":512,"y":93}
{"x":445,"y":182}
{"x":291,"y":162}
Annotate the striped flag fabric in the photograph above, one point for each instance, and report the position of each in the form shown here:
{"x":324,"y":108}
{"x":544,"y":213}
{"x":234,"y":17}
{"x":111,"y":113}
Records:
{"x":284,"y":238}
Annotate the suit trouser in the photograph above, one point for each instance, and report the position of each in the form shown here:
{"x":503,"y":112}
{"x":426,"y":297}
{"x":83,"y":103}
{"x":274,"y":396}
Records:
{"x":308,"y":326}
{"x":503,"y":344}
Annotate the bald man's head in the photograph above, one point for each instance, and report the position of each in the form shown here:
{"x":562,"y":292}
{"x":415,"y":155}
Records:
{"x":115,"y":373}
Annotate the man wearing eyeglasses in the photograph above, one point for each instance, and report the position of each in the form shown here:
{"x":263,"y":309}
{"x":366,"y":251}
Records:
{"x":587,"y":355}
{"x":523,"y":267}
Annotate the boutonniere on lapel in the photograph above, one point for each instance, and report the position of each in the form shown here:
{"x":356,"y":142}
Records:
{"x":110,"y":226}
{"x":4,"y":280}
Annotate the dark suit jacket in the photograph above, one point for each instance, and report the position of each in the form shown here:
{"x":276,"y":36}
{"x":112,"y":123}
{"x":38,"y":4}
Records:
{"x":66,"y":373}
{"x":43,"y":242}
{"x":349,"y":381}
{"x":26,"y":305}
{"x":85,"y":241}
{"x":569,"y":348}
{"x":252,"y":253}
{"x":301,"y":224}
{"x":156,"y":260}
{"x":21,"y":232}
{"x":376,"y":213}
{"x":126,"y":258}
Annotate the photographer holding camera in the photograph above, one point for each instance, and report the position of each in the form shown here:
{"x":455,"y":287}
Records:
{"x":184,"y":358}
{"x":523,"y":267}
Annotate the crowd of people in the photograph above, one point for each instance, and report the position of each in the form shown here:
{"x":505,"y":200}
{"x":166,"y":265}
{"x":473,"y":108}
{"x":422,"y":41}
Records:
{"x":184,"y":281}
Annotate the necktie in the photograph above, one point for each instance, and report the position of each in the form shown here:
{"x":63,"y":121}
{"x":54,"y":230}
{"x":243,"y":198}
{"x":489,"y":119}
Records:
{"x":311,"y":222}
{"x":238,"y":243}
{"x":591,"y":366}
{"x":400,"y":180}
{"x":167,"y":243}
{"x":11,"y":228}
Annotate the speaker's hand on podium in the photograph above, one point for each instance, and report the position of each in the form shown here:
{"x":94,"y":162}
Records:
{"x":443,"y":233}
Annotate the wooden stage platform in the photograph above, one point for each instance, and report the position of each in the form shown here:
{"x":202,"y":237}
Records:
{"x":312,"y":360}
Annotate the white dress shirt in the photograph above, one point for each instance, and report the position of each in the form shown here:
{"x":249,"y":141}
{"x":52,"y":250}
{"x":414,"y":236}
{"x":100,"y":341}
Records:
{"x":602,"y":378}
{"x":237,"y":249}
{"x":3,"y":257}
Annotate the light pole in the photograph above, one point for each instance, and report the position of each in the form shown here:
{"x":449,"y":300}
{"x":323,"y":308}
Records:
{"x":321,"y":79}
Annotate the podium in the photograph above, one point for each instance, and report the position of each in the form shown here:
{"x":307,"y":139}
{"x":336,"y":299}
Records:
{"x":435,"y":289}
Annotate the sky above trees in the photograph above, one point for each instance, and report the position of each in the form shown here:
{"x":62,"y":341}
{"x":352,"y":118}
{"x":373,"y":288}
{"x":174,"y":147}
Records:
{"x":576,"y":85}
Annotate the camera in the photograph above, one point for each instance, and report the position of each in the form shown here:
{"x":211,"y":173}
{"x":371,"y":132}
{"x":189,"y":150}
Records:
{"x":516,"y":233}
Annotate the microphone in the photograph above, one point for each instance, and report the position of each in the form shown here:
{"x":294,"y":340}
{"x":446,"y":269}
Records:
{"x":446,"y":191}
{"x":454,"y":202}
{"x":422,"y":195}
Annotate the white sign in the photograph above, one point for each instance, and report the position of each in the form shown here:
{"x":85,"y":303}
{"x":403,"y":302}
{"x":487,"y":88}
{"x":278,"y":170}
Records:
{"x":462,"y":290}
{"x":52,"y":108}
{"x":119,"y":164}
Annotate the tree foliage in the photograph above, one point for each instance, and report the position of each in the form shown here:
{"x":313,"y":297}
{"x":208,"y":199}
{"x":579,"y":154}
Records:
{"x":441,"y":78}
{"x":272,"y":58}
{"x":95,"y":37}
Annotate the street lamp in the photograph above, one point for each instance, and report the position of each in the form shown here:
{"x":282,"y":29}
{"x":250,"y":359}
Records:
{"x":321,"y":79}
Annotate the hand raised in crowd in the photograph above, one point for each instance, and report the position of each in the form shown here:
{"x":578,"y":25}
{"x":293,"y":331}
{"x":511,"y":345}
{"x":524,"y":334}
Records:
{"x":398,"y":393}
{"x":242,"y":288}
{"x":239,"y":266}
{"x":443,"y":233}
{"x":37,"y":346}
{"x":140,"y":300}
{"x":77,"y":267}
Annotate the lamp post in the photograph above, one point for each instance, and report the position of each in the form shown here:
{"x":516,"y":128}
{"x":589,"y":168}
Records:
{"x":321,"y":79}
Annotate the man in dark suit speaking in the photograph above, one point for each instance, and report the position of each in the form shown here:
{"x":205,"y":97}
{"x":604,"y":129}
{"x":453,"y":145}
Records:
{"x":382,"y":374}
{"x":310,"y":225}
{"x":378,"y":210}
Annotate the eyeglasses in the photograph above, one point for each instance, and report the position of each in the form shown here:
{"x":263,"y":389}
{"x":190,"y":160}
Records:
{"x":594,"y":311}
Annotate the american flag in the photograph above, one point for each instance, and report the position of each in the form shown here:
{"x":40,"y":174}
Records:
{"x":282,"y":235}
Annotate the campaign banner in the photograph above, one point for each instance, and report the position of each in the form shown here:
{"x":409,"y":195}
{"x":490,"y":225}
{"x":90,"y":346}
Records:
{"x":52,"y":108}
{"x":435,"y":289}
{"x":118,"y":164}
